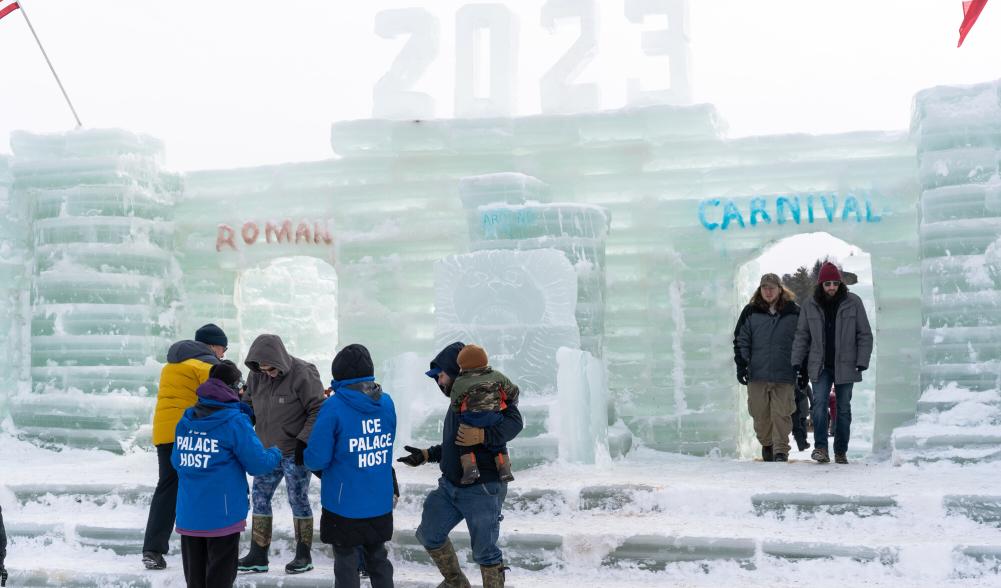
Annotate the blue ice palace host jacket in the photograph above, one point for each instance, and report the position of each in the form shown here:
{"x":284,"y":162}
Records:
{"x":215,"y":447}
{"x":352,"y":443}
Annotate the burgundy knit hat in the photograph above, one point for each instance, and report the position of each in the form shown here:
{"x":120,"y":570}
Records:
{"x":829,"y":273}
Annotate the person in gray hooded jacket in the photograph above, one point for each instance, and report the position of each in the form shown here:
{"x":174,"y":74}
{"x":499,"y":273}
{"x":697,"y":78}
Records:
{"x":832,"y":347}
{"x":762,"y":345}
{"x":285,"y":393}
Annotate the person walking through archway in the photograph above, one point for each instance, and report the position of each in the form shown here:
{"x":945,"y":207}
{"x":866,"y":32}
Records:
{"x":762,"y":346}
{"x":833,"y":346}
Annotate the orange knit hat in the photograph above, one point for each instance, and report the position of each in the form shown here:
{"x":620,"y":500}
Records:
{"x":472,"y":357}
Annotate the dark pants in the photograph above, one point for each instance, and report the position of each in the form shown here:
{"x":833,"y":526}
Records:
{"x":380,"y":570}
{"x":843,"y":421}
{"x":210,"y":562}
{"x":799,"y":417}
{"x":479,"y":504}
{"x":162,"y":510}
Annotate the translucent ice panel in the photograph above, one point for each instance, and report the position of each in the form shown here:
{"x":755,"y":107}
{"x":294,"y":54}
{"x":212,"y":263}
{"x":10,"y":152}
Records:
{"x":582,"y":405}
{"x":519,"y":305}
{"x":296,"y":299}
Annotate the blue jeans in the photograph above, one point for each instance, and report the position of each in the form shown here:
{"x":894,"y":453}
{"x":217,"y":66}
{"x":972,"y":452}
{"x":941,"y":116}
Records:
{"x":843,"y":422}
{"x":296,"y":485}
{"x":480,"y":504}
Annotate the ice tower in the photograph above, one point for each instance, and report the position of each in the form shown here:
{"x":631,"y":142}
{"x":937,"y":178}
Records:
{"x":101,"y":271}
{"x":958,"y":135}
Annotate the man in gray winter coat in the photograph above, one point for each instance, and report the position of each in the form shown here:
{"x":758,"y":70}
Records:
{"x":285,"y":393}
{"x":834,"y":339}
{"x":762,"y":345}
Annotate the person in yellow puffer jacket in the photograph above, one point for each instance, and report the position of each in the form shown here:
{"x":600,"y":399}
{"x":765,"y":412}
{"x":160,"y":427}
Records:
{"x":188,"y":365}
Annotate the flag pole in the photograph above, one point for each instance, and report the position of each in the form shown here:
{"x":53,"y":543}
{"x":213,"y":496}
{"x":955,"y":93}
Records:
{"x":24,"y":13}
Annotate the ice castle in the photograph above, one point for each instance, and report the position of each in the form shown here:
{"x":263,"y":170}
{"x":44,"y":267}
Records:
{"x":615,"y":236}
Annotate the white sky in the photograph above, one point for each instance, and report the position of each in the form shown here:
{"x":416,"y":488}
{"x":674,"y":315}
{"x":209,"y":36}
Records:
{"x":228,"y":83}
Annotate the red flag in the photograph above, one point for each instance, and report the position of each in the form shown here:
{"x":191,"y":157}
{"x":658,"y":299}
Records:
{"x":8,"y":9}
{"x":971,"y":11}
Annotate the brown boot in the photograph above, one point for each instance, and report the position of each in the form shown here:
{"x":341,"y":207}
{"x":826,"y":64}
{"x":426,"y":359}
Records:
{"x":503,"y":463}
{"x":493,"y":576}
{"x":448,"y":564}
{"x":470,"y":473}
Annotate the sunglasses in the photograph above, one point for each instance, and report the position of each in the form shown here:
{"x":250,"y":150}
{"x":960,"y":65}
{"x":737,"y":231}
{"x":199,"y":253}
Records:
{"x":831,"y":283}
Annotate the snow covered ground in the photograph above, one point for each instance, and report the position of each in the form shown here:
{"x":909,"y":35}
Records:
{"x":76,"y":517}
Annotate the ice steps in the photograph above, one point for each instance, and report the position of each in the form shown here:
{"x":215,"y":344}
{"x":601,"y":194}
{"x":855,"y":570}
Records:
{"x":558,"y":543}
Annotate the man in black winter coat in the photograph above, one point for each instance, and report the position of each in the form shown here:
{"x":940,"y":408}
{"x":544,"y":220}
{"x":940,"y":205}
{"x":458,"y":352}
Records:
{"x":762,"y":344}
{"x":478,"y":503}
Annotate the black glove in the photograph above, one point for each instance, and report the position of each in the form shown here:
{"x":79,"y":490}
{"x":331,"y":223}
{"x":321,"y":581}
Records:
{"x":416,"y":457}
{"x":802,"y":380}
{"x":742,"y":374}
{"x":861,"y":368}
{"x":300,"y":447}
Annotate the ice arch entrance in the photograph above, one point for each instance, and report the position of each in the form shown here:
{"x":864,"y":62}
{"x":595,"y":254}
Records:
{"x":785,"y":257}
{"x":293,"y":297}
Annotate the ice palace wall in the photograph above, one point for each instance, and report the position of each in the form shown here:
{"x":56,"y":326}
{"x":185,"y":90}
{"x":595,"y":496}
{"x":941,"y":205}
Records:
{"x":110,"y":257}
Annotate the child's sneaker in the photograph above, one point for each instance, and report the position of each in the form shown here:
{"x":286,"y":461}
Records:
{"x":503,"y":463}
{"x":470,"y":473}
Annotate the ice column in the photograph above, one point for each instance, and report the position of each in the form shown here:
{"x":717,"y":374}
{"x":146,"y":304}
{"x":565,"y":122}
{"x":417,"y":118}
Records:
{"x":582,"y":401}
{"x":101,"y":282}
{"x":13,"y":288}
{"x":958,"y":130}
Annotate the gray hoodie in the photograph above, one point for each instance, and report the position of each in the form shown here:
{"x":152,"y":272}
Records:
{"x":285,"y":406}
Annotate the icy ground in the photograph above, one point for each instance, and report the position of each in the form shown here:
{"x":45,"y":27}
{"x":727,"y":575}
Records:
{"x":62,"y":510}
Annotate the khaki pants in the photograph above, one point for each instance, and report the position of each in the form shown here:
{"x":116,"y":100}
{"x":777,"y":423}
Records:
{"x":771,"y":406}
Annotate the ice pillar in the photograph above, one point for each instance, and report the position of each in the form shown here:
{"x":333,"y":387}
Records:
{"x":102,"y":277}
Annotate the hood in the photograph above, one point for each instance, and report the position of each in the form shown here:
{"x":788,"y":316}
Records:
{"x":361,"y":394}
{"x":216,"y":389}
{"x":269,"y":350}
{"x":446,"y":361}
{"x":209,"y":414}
{"x":188,"y":349}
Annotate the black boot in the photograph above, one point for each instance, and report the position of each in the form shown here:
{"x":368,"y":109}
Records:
{"x":260,"y":540}
{"x":303,"y":561}
{"x":256,"y":561}
{"x":153,"y":560}
{"x":766,"y":453}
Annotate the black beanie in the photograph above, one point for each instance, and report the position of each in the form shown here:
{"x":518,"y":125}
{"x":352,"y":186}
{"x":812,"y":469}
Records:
{"x":211,"y":335}
{"x":352,"y":362}
{"x":226,"y":371}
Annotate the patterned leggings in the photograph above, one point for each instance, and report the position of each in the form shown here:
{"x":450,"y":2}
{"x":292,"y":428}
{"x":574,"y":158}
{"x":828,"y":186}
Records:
{"x":296,"y":484}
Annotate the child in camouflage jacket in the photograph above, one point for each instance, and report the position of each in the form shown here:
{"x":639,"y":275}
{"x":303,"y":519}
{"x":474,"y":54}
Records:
{"x":479,"y":395}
